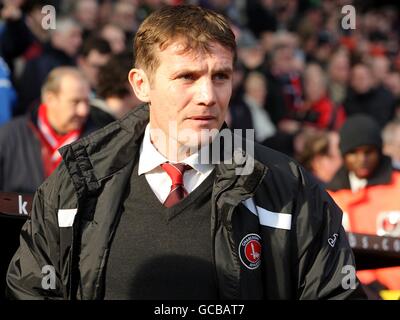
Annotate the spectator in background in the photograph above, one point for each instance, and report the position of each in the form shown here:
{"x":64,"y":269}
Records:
{"x":283,"y":69}
{"x":325,"y":47}
{"x":28,"y":144}
{"x":380,"y":68}
{"x":261,"y":16}
{"x":366,"y":188}
{"x":23,"y":35}
{"x":338,"y":75}
{"x":115,"y":97}
{"x":286,"y":14}
{"x":250,"y":112}
{"x":239,"y":73}
{"x":391,"y":142}
{"x":250,"y":52}
{"x":124,"y":16}
{"x":392,"y":82}
{"x":320,"y":155}
{"x":115,"y":37}
{"x":86,"y":13}
{"x":364,"y":97}
{"x":318,"y":109}
{"x":94,"y":54}
{"x":252,"y":56}
{"x":62,"y":50}
{"x":8,"y":95}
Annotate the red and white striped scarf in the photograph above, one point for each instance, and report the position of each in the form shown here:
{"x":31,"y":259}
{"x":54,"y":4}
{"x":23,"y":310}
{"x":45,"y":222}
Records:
{"x":52,"y":141}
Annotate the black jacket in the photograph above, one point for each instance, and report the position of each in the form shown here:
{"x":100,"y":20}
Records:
{"x":99,"y":113}
{"x":278,"y":203}
{"x":378,"y":103}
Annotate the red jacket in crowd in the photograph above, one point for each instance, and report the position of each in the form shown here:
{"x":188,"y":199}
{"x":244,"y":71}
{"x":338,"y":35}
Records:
{"x":374,"y":209}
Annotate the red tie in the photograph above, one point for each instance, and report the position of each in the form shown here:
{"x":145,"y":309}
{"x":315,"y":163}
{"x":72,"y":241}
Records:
{"x":175,"y":172}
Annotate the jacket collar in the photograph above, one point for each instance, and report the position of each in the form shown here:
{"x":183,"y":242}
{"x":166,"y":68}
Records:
{"x":105,"y":152}
{"x":108,"y":150}
{"x":382,"y":175}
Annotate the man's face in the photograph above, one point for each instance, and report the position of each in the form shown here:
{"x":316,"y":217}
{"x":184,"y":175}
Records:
{"x":115,"y":37}
{"x":256,"y":88}
{"x":69,"y":108}
{"x":314,"y":85}
{"x":124,"y":15}
{"x":91,"y":64}
{"x":362,"y":161}
{"x":69,"y":41}
{"x":361,"y":79}
{"x":87,"y":13}
{"x":339,"y":69}
{"x":190,"y":91}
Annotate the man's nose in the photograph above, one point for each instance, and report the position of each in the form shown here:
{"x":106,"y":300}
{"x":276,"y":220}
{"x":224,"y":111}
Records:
{"x":362,"y":158}
{"x":205,"y":94}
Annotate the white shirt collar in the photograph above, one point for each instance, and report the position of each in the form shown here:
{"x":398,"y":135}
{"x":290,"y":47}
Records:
{"x":356,"y":183}
{"x":151,"y":159}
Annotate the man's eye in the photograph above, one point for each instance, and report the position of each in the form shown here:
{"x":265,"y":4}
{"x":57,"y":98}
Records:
{"x":221,"y":76}
{"x":187,"y":76}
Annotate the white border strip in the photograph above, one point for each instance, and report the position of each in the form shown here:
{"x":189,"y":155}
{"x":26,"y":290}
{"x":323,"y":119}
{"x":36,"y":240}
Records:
{"x":66,"y":217}
{"x":269,"y":218}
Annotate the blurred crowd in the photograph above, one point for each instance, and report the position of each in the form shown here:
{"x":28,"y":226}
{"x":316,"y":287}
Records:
{"x":310,"y":87}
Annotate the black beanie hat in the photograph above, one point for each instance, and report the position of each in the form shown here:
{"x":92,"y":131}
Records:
{"x":359,"y":130}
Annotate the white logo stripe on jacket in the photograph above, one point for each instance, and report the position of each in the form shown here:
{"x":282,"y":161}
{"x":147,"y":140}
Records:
{"x":66,"y":217}
{"x":269,"y":218}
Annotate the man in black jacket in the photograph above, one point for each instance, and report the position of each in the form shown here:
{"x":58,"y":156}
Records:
{"x":28,"y":145}
{"x":61,"y":50}
{"x":367,"y":98}
{"x":149,"y":208}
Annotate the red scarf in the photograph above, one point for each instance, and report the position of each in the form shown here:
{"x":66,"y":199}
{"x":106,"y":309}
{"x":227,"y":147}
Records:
{"x":51,"y":141}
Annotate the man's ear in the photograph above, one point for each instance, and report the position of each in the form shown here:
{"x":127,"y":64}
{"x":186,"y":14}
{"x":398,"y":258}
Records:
{"x":140,"y":84}
{"x":49,"y":98}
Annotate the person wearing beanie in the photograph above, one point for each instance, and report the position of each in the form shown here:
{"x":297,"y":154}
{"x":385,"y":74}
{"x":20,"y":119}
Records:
{"x":359,"y":130}
{"x":367,"y":188}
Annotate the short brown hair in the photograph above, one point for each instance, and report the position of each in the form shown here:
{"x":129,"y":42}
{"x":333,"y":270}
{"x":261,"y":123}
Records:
{"x":197,"y":26}
{"x":316,"y":144}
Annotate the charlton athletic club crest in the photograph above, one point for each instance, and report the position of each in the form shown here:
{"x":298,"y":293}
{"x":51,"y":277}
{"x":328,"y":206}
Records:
{"x":388,"y":224}
{"x":250,"y":251}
